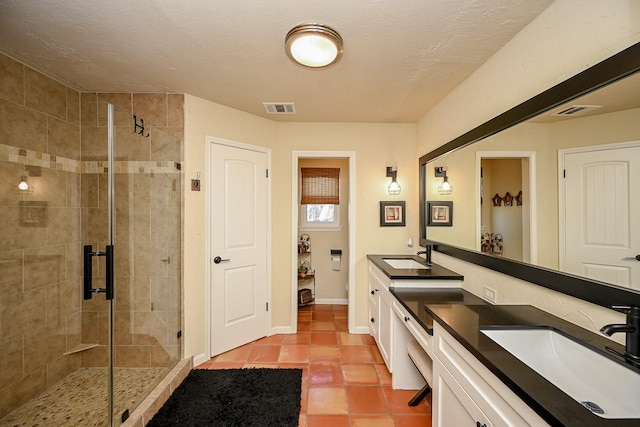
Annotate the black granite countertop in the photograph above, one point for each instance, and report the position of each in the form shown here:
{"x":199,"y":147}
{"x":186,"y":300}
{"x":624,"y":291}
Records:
{"x":435,"y":272}
{"x":557,"y":408}
{"x":462,"y":314}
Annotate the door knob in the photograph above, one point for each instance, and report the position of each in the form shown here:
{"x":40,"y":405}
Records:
{"x":218,"y":260}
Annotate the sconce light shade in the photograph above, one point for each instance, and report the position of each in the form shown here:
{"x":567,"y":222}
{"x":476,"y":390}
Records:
{"x":394,"y":188}
{"x":314,"y":45}
{"x":445,"y":188}
{"x":23,"y":185}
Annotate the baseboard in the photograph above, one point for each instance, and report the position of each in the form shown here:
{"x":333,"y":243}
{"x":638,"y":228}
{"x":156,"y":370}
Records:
{"x":199,"y":359}
{"x":282,"y":330}
{"x":332,"y":301}
{"x":360,"y":330}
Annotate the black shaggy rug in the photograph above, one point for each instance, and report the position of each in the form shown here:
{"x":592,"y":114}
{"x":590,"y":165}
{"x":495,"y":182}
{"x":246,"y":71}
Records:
{"x":234,"y":397}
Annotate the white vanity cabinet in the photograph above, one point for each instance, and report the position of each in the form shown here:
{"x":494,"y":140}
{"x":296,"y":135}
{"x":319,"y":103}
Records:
{"x":380,"y":312}
{"x":466,"y":393}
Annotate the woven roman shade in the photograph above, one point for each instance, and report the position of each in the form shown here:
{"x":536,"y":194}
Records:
{"x":320,"y":186}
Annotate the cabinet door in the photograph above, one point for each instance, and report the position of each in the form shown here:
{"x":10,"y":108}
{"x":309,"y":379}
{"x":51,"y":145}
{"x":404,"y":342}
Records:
{"x":384,"y":327}
{"x":452,"y":406}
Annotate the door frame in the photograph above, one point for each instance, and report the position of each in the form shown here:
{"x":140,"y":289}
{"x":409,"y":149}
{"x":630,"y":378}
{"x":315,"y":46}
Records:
{"x":562,"y":190}
{"x":351,"y":156}
{"x":209,"y":141}
{"x":532,"y":191}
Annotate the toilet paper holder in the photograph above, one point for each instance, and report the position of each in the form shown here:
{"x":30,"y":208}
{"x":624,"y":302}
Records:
{"x":336,"y":259}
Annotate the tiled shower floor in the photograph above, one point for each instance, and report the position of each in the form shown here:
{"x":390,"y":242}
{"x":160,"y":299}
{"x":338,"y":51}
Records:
{"x":80,"y":399}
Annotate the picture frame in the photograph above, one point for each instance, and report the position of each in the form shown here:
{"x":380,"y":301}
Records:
{"x":439,"y":214}
{"x":392,"y":214}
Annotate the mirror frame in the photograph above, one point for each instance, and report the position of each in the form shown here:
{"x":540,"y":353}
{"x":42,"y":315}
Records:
{"x":614,"y":68}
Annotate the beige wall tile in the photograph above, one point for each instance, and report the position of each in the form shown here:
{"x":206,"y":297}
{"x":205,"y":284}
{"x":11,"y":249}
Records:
{"x":73,"y":183}
{"x":93,"y":143}
{"x":62,"y":366}
{"x":63,"y":139}
{"x":74,"y":330}
{"x":95,"y":357}
{"x":11,"y":273}
{"x":49,"y":185}
{"x":22,"y":127}
{"x":134,"y":356}
{"x":44,"y":266}
{"x":124,"y":297}
{"x":15,"y":236}
{"x":88,"y":109}
{"x":175,"y":110}
{"x":141,"y":294}
{"x":124,"y":101}
{"x":63,"y":225}
{"x":45,"y":94}
{"x":164,"y":146}
{"x":162,"y":356}
{"x":43,"y":347}
{"x":122,"y":117}
{"x":10,"y":174}
{"x":20,"y":392}
{"x":122,"y":328}
{"x":11,"y":361}
{"x":153,"y":324}
{"x":73,"y":106}
{"x":23,"y":313}
{"x":131,"y":146}
{"x":89,"y":190}
{"x":11,"y":80}
{"x":152,"y":107}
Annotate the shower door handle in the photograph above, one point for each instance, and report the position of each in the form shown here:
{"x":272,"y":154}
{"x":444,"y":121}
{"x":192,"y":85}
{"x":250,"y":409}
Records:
{"x":89,"y":290}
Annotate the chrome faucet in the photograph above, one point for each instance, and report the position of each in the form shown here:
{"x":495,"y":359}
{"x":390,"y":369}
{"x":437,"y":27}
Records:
{"x":631,"y":328}
{"x":426,"y":253}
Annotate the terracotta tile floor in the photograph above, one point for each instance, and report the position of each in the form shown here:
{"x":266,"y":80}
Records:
{"x":344,"y":382}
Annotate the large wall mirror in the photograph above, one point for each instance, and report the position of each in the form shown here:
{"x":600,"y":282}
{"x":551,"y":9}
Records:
{"x":549,"y":191}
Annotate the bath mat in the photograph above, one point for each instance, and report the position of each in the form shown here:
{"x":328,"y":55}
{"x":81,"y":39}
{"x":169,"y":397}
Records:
{"x":234,"y":397}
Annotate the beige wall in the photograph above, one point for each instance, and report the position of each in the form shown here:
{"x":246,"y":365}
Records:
{"x":567,"y":38}
{"x":376,"y":146}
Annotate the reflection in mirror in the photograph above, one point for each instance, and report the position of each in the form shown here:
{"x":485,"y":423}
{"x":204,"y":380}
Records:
{"x":571,"y":173}
{"x":583,"y":190}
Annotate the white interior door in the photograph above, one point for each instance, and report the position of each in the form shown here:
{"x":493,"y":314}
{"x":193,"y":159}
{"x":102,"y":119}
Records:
{"x":238,"y":194}
{"x":602,"y":231}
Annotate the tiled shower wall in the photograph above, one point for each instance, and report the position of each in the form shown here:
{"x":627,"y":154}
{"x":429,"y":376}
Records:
{"x":56,"y":136}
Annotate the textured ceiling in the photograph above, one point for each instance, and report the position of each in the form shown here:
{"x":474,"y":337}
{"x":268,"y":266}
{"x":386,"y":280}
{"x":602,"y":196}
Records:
{"x":400,"y":57}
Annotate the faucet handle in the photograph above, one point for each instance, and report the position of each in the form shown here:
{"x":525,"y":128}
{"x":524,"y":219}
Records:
{"x":627,"y":309}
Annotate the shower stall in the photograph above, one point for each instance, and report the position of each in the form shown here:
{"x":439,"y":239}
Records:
{"x":90,"y":257}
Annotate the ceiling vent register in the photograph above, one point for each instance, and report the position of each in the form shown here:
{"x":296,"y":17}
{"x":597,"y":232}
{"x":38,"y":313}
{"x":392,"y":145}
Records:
{"x":279,"y":107}
{"x":576,"y":110}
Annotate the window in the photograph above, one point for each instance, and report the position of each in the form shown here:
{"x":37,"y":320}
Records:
{"x":320,"y":199}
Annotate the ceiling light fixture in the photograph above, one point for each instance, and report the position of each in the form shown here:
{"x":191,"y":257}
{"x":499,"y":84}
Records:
{"x":314,"y":45}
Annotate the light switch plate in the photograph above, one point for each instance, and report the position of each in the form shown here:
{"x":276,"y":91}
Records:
{"x":489,"y":294}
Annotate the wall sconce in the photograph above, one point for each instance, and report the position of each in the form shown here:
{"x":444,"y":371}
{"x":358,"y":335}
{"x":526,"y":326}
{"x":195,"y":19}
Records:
{"x":394,"y":187}
{"x":23,"y":185}
{"x":445,"y":188}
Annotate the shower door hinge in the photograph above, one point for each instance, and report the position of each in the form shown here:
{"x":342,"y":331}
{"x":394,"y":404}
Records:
{"x":179,"y":334}
{"x":178,"y":166}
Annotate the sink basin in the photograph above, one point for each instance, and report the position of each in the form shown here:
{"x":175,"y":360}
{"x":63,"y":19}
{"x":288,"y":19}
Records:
{"x":602,"y":385}
{"x":404,"y":263}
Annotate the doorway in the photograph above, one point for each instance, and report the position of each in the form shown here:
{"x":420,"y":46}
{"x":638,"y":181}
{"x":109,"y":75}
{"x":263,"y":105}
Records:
{"x":322,"y":242}
{"x":505,"y":219}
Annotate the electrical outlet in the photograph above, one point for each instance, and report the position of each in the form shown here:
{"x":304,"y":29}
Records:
{"x":489,"y":294}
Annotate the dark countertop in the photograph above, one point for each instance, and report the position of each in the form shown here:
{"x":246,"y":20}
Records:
{"x":436,"y":272}
{"x":462,"y":313}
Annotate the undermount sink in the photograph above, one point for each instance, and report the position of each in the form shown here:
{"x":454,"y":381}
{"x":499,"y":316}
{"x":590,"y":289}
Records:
{"x":405,"y":263}
{"x":600,"y":384}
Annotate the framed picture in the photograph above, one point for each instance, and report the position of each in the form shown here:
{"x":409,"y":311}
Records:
{"x":439,"y":214}
{"x":392,"y":214}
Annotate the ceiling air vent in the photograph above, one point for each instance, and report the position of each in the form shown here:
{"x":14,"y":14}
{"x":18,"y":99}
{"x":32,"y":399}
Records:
{"x":280,"y":107}
{"x":576,"y":110}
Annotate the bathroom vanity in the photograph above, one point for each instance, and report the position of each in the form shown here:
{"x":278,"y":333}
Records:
{"x":476,"y":380}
